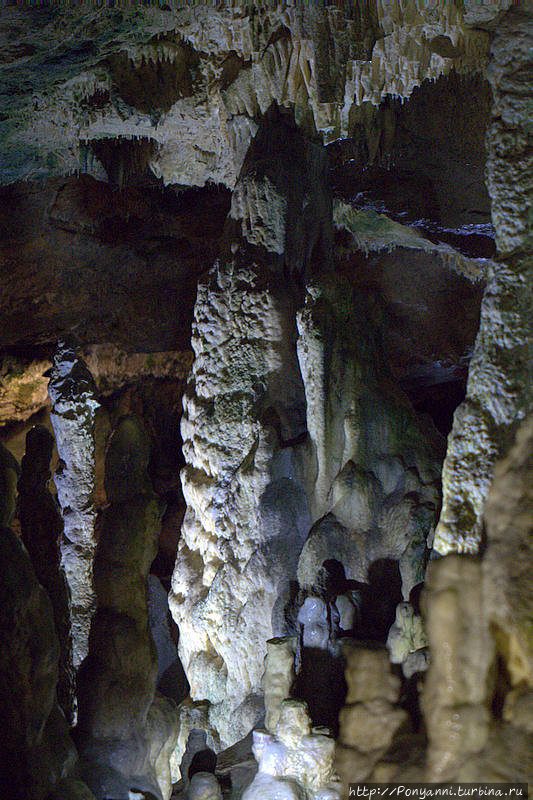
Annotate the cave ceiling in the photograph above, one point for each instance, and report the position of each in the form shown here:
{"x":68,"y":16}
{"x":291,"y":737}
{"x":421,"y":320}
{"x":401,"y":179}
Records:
{"x":123,"y":130}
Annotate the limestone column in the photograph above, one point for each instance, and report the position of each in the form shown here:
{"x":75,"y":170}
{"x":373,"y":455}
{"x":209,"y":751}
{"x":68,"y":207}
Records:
{"x":499,"y":389}
{"x":244,"y":419}
{"x":73,"y":395}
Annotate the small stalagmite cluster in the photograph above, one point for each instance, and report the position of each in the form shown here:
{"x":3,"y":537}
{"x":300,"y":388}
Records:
{"x":266,"y":422}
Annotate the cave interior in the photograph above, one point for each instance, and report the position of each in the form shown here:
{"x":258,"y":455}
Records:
{"x":266,"y":427}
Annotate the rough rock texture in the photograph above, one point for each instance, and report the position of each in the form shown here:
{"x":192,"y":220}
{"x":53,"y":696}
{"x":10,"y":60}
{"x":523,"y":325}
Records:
{"x":193,"y":719}
{"x":244,"y":414}
{"x":371,"y":718}
{"x":294,"y":762}
{"x":74,"y":403}
{"x":42,"y":527}
{"x":24,"y":389}
{"x":407,"y":641}
{"x":36,"y":749}
{"x":149,"y":78}
{"x":479,"y":683}
{"x":115,"y":267}
{"x":499,"y":382}
{"x":126,"y":732}
{"x":373,"y":465}
{"x":508,"y":557}
{"x":278,"y":677}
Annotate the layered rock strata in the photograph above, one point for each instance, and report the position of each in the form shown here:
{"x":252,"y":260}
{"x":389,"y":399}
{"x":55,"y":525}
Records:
{"x":73,"y":396}
{"x":126,"y":731}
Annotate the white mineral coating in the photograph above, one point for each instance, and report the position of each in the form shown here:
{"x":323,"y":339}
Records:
{"x":239,"y":492}
{"x":407,"y":641}
{"x":374,"y":463}
{"x":73,"y":395}
{"x":348,"y":611}
{"x":247,"y":510}
{"x":499,"y":381}
{"x":278,"y":677}
{"x":192,"y":716}
{"x":313,"y":617}
{"x":204,"y":786}
{"x":241,"y":67}
{"x":294,"y":762}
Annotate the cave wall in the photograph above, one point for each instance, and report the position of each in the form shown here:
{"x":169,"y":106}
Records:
{"x":331,"y":306}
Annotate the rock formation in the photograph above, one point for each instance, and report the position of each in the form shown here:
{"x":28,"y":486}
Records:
{"x":42,"y":527}
{"x":371,"y":718}
{"x":126,"y":732}
{"x":295,"y":762}
{"x":292,"y":243}
{"x":499,"y":386}
{"x":374,"y":465}
{"x":37,"y":752}
{"x":244,"y":414}
{"x":74,"y":403}
{"x":216,"y":72}
{"x":477,"y":713}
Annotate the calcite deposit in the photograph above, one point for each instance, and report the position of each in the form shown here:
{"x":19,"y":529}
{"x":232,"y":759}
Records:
{"x":73,"y":396}
{"x":499,"y":385}
{"x":266,"y":316}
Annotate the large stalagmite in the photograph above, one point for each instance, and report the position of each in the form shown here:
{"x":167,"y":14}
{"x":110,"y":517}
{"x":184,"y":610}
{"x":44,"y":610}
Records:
{"x":73,"y":395}
{"x":244,"y":415}
{"x":333,"y":324}
{"x":126,"y":730}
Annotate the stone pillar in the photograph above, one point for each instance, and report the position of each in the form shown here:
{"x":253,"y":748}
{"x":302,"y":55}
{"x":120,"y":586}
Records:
{"x":499,"y":387}
{"x":371,"y":717}
{"x":244,"y":419}
{"x":126,"y":731}
{"x":42,"y":527}
{"x":36,"y":750}
{"x":73,"y":395}
{"x":278,"y":677}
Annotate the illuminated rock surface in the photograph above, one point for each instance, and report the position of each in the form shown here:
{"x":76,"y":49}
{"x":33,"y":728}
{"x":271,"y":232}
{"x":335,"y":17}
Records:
{"x":293,"y":246}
